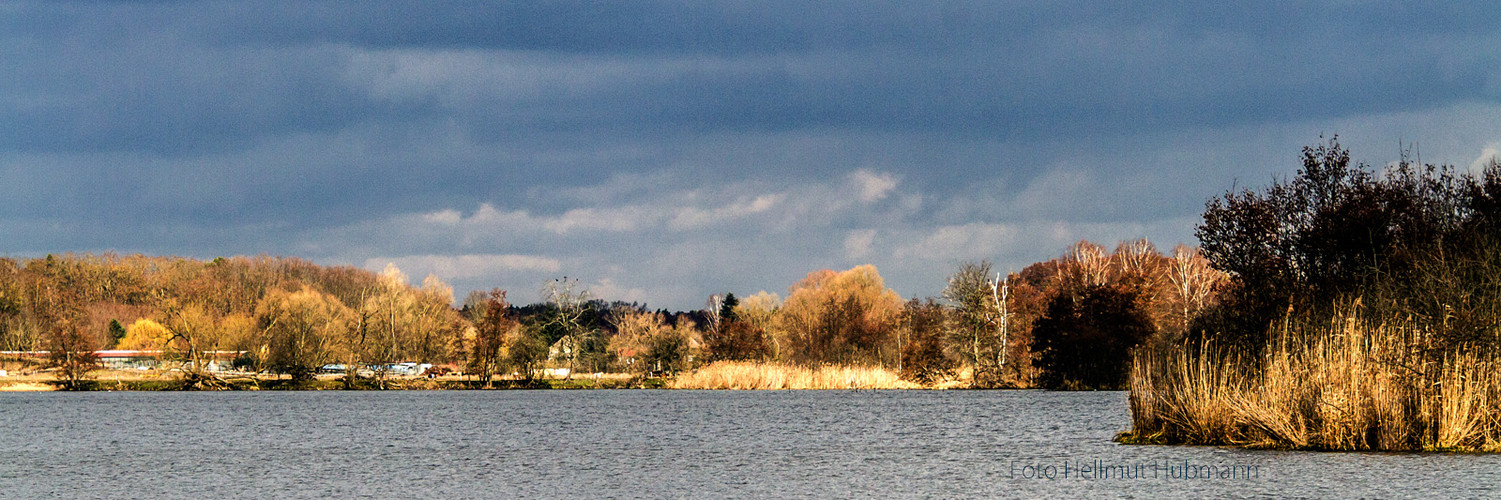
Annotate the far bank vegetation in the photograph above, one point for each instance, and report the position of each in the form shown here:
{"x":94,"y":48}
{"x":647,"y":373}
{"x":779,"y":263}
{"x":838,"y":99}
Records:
{"x":274,"y":318}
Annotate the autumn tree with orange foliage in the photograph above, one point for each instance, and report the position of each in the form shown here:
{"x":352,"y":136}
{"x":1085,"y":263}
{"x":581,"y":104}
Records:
{"x":923,"y":358}
{"x":845,"y":317}
{"x":494,"y":325}
{"x":70,"y":351}
{"x":732,"y":338}
{"x":1100,"y":305}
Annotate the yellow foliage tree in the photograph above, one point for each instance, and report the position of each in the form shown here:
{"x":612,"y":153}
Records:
{"x":304,"y":330}
{"x":844,"y":317}
{"x":145,"y":335}
{"x":644,"y":343}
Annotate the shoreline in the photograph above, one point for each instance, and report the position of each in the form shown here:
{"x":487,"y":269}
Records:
{"x":723,"y":375}
{"x":45,"y":383}
{"x":422,"y":385}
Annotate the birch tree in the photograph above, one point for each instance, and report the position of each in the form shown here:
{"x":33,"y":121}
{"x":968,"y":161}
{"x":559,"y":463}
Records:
{"x":1193,"y":282}
{"x":981,"y":328}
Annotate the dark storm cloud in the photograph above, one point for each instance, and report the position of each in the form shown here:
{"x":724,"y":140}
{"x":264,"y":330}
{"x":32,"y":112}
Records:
{"x":308,"y":127}
{"x":169,"y":77}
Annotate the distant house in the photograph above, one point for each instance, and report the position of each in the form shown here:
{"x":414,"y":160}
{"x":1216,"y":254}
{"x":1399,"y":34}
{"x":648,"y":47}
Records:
{"x":129,"y":360}
{"x":564,"y":347}
{"x":218,"y":361}
{"x":404,"y":369}
{"x":408,"y":369}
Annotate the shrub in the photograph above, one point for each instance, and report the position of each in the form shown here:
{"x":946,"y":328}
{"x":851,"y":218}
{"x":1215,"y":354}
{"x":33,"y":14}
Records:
{"x":1406,"y":240}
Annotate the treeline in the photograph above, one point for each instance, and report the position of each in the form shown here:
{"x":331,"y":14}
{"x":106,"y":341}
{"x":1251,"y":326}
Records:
{"x":283,"y":315}
{"x":1065,"y":323}
{"x":1068,"y":323}
{"x":1362,"y":312}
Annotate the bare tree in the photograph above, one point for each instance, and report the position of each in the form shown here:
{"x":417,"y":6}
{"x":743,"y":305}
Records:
{"x":923,"y":358}
{"x":69,"y":349}
{"x":1000,"y":293}
{"x":569,"y":299}
{"x":648,"y":345}
{"x":712,"y":309}
{"x":303,"y":330}
{"x":847,"y":317}
{"x":1135,"y":257}
{"x":436,"y":321}
{"x":759,"y":311}
{"x":389,"y":328}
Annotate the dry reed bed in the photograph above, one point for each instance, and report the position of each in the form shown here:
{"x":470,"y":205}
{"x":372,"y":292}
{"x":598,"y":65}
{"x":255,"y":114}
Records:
{"x":1348,"y":388}
{"x":27,"y":387}
{"x":748,"y":375}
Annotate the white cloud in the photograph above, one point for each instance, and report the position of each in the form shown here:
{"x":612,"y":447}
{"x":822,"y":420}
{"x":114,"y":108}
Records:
{"x":608,"y":290}
{"x":625,"y":218}
{"x":485,"y":216}
{"x":873,"y":186}
{"x":676,"y":211}
{"x":1491,"y":153}
{"x":490,"y":220}
{"x":444,"y":217}
{"x":450,"y":267}
{"x":857,"y":244}
{"x":959,"y":242}
{"x":671,"y":245}
{"x":691,"y":217}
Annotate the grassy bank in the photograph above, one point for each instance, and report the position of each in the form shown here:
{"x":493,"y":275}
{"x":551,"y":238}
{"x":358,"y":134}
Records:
{"x":1345,"y":387}
{"x":747,"y":375}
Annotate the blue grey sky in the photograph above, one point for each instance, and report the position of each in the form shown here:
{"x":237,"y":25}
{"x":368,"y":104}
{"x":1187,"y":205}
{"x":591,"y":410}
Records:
{"x":665,"y":151}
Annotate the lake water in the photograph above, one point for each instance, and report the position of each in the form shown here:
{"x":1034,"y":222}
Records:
{"x":641,"y":443}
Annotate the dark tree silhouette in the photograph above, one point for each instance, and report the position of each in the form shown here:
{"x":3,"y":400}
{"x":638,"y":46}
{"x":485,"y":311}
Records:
{"x":1084,"y":341}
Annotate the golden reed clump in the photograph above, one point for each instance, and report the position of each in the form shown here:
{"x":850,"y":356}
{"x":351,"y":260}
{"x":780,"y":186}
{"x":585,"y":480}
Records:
{"x":1347,"y":387}
{"x":749,"y":375}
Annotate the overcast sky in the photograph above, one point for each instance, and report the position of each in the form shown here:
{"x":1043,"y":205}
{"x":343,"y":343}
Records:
{"x":664,"y":151}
